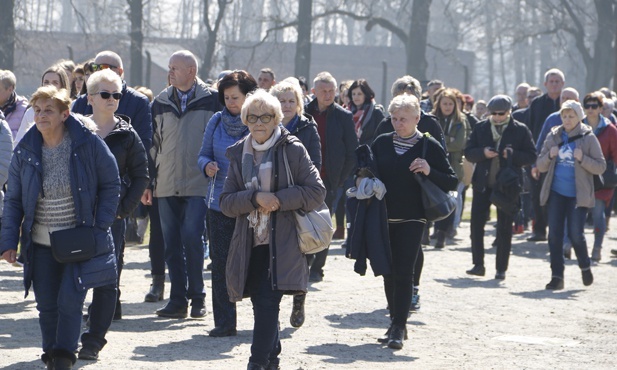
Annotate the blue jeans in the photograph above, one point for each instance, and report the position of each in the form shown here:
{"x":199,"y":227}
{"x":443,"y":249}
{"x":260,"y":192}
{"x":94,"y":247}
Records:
{"x":182,"y":222}
{"x":599,"y":223}
{"x":105,"y":298}
{"x":266,"y":306}
{"x":58,"y":301}
{"x":561,"y":208}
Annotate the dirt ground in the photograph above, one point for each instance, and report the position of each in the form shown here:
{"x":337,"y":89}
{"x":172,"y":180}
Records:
{"x":465,"y":322}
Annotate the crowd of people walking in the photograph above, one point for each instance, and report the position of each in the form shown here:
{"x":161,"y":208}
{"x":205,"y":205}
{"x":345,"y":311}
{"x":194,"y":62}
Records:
{"x":222,"y":168}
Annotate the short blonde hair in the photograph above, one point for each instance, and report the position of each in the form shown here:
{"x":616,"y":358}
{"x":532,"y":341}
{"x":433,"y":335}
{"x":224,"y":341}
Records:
{"x":404,"y":101}
{"x":105,"y":75}
{"x":61,"y":98}
{"x":288,"y":86}
{"x":262,"y":101}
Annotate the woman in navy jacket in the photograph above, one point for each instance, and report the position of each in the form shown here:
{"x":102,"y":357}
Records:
{"x":84,"y":171}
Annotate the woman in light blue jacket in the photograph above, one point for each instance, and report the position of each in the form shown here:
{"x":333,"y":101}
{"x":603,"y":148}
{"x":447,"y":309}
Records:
{"x":224,"y":129}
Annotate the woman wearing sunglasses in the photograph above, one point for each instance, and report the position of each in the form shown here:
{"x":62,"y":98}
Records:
{"x":491,"y":145}
{"x":224,"y":129}
{"x":606,"y":133}
{"x":123,"y":141}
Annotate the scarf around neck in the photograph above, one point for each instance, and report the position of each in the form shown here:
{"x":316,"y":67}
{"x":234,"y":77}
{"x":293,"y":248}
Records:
{"x":233,"y":124}
{"x":10,"y":105}
{"x":362,"y":116}
{"x":497,"y":129}
{"x":258,"y":176}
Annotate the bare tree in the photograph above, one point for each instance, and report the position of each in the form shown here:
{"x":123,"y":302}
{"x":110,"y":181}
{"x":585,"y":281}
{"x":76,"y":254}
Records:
{"x":414,"y":38}
{"x":137,"y":41}
{"x":303,"y":44}
{"x":7,"y":34}
{"x":212,"y":33}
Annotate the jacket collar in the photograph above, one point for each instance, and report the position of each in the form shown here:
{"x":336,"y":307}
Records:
{"x":79,"y":133}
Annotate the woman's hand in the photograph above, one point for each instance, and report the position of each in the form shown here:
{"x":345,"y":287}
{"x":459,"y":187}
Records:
{"x":268,"y":202}
{"x":211,"y":169}
{"x":420,"y":165}
{"x":10,"y":255}
{"x":553,"y":152}
{"x":578,"y":154}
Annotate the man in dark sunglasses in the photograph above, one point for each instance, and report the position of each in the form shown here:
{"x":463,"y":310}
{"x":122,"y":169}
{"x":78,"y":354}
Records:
{"x":498,"y":145}
{"x":133,"y":104}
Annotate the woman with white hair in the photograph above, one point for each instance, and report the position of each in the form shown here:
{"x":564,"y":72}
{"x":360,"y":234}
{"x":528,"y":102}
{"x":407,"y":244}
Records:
{"x":104,"y":93}
{"x":303,"y":127}
{"x":265,"y":260}
{"x":571,"y":155}
{"x":398,"y":156}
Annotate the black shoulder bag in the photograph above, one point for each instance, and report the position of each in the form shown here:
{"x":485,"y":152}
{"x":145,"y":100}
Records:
{"x":437,"y":203}
{"x":73,"y":245}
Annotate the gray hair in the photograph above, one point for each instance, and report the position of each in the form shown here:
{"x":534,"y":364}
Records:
{"x":7,"y":78}
{"x":262,"y":100}
{"x":404,"y":101}
{"x":105,"y":75}
{"x":554,"y":71}
{"x":406,"y":84}
{"x":609,"y":102}
{"x":288,"y":86}
{"x":324,"y":77}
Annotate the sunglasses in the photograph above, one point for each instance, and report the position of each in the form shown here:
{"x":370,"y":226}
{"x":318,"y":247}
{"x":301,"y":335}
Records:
{"x":100,"y":67}
{"x":264,"y":118}
{"x":591,"y":106}
{"x":499,"y":113}
{"x":106,"y":95}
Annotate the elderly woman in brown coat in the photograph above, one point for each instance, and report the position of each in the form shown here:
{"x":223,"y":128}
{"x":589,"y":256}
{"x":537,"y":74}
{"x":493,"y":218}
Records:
{"x":264,"y":260}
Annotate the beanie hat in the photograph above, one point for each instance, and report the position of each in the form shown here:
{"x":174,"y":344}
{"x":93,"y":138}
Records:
{"x":499,"y":103}
{"x":575,"y":106}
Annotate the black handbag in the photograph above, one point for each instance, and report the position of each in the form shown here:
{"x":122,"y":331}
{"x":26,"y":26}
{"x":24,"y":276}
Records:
{"x":73,"y":245}
{"x":438,"y":204}
{"x":608,"y":178}
{"x":507,"y":190}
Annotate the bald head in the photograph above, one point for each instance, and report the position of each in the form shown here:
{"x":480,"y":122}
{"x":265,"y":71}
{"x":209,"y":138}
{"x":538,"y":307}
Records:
{"x":187,"y":58}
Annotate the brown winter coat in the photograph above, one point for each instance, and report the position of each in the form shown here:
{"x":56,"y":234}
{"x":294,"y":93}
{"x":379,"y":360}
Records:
{"x":289,"y":270}
{"x":593,"y":163}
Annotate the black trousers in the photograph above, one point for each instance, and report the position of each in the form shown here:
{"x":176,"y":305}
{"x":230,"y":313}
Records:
{"x":405,"y":240}
{"x":540,"y":216}
{"x":479,"y":209}
{"x":220,"y":231}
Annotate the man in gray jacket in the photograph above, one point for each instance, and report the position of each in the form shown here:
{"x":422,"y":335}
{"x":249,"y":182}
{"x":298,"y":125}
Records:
{"x":179,"y":117}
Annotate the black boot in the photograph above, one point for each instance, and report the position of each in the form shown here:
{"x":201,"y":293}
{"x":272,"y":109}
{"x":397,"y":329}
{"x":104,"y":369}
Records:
{"x":48,"y":360}
{"x":397,"y":334}
{"x":297,"y":313}
{"x":255,"y":366}
{"x":157,"y":289}
{"x":441,"y":239}
{"x":63,"y":360}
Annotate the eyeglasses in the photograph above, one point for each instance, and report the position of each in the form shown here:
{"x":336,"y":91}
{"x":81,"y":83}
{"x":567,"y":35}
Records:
{"x":106,"y":95}
{"x":591,"y":106}
{"x":100,"y":67}
{"x":499,"y":113}
{"x":264,"y":118}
